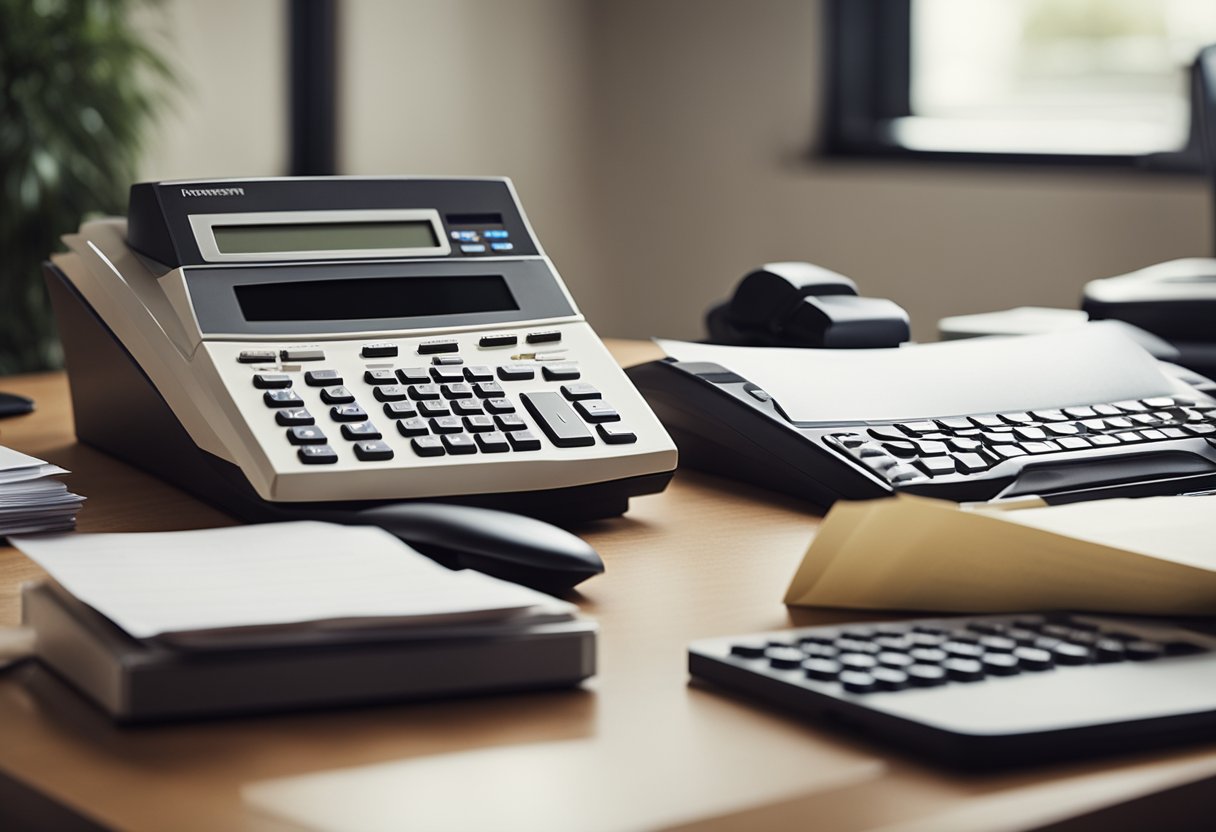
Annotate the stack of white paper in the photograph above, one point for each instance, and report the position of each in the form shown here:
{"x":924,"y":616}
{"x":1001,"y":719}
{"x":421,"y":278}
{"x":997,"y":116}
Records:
{"x":29,"y":501}
{"x":280,"y":583}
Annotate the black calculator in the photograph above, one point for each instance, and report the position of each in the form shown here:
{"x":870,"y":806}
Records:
{"x":985,"y":691}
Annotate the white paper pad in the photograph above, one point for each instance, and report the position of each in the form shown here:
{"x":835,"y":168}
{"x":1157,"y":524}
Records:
{"x":268,"y":575}
{"x":953,"y":378}
{"x":18,"y":467}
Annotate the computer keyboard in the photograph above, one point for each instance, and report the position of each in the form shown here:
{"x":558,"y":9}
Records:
{"x":980,"y":456}
{"x":984,"y":691}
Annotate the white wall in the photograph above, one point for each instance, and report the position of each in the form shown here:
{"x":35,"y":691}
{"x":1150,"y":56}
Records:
{"x":660,"y":147}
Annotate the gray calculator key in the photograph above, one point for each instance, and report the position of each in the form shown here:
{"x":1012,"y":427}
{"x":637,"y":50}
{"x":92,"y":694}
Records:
{"x":579,"y":391}
{"x":421,"y":392}
{"x":373,"y":450}
{"x":523,"y":440}
{"x":597,"y":410}
{"x":492,"y":442}
{"x":282,"y":398}
{"x":414,"y":426}
{"x":306,"y":435}
{"x":389,"y":393}
{"x":459,"y":443}
{"x":316,"y":454}
{"x":479,"y":424}
{"x":360,"y":430}
{"x":447,"y":424}
{"x":380,"y":377}
{"x":615,"y":434}
{"x":322,"y":378}
{"x":400,"y":410}
{"x":448,"y":374}
{"x":427,"y":445}
{"x":294,"y":416}
{"x":347,"y":413}
{"x":561,"y":424}
{"x":467,"y":407}
{"x":434,"y":409}
{"x":413,"y":375}
{"x":478,"y":372}
{"x":271,"y":381}
{"x":337,"y":395}
{"x":560,"y":372}
{"x":517,"y":372}
{"x":499,"y":406}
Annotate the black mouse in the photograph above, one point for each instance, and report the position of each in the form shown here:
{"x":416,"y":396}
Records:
{"x":519,"y":549}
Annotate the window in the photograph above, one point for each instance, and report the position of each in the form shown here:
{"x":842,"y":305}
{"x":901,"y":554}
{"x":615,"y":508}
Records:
{"x":1071,"y":81}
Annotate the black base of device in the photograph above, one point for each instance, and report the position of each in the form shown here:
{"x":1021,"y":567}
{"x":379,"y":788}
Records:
{"x":118,"y":410}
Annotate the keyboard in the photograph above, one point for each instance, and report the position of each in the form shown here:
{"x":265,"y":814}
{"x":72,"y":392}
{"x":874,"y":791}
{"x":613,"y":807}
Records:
{"x":984,"y":691}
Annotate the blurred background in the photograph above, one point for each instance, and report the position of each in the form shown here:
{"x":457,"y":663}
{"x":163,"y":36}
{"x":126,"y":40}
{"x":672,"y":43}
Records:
{"x":953,"y":156}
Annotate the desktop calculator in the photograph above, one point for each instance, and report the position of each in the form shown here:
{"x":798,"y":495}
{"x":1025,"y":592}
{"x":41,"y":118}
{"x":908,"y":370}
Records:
{"x":984,"y":691}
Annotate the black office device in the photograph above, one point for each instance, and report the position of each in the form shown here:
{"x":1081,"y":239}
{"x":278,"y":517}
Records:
{"x":982,"y":692}
{"x":13,"y":405}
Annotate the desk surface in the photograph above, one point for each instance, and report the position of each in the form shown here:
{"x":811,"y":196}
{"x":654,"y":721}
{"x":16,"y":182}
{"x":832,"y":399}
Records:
{"x":636,"y":747}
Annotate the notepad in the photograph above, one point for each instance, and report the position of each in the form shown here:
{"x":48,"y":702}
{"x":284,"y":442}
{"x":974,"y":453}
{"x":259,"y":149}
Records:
{"x":1151,"y":555}
{"x":253,"y":582}
{"x":29,"y":500}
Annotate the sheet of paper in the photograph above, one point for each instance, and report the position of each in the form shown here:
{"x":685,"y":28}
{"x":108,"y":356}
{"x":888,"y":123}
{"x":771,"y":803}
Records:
{"x":18,"y":467}
{"x":951,"y":378}
{"x":266,"y":575}
{"x":1152,"y":555}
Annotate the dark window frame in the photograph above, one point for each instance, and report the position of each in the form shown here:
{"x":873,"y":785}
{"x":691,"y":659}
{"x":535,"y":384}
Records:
{"x":867,"y":46}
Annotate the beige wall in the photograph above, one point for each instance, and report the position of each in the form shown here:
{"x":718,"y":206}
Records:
{"x":660,"y":147}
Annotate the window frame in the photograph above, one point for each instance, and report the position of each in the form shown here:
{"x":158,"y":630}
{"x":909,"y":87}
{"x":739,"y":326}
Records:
{"x":867,"y":63}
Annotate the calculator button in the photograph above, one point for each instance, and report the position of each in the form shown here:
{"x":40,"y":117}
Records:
{"x":823,"y":670}
{"x":547,"y":336}
{"x":857,"y":682}
{"x":557,"y":420}
{"x":400,"y":410}
{"x":441,"y":345}
{"x":372,"y":450}
{"x":478,"y":424}
{"x":271,"y":381}
{"x":1001,"y":664}
{"x":360,"y":430}
{"x":857,"y":661}
{"x":413,"y":375}
{"x":257,"y":356}
{"x":427,"y":445}
{"x":928,"y":655}
{"x":422,"y":392}
{"x":499,"y":406}
{"x":500,"y":246}
{"x":457,"y":391}
{"x":448,"y":374}
{"x":378,"y":350}
{"x":380,"y":377}
{"x":523,"y":440}
{"x":413,"y":426}
{"x":784,"y":657}
{"x":889,"y":678}
{"x":306,"y":435}
{"x":925,"y":676}
{"x":510,"y":422}
{"x":294,"y":416}
{"x":459,"y":443}
{"x":446,"y":360}
{"x":498,"y":341}
{"x":488,"y":389}
{"x":281,"y":398}
{"x":1068,"y":653}
{"x":936,"y":466}
{"x":478,"y":372}
{"x":493,"y":442}
{"x":615,"y":434}
{"x":316,"y":454}
{"x":560,"y":372}
{"x":1142,"y":651}
{"x":579,"y":391}
{"x":597,"y":410}
{"x":389,"y":393}
{"x":447,"y":424}
{"x":336,"y":395}
{"x":347,"y":413}
{"x":303,"y":354}
{"x":1034,"y":658}
{"x":963,"y":670}
{"x":467,"y":407}
{"x":322,"y":378}
{"x":516,"y":372}
{"x":434,"y":409}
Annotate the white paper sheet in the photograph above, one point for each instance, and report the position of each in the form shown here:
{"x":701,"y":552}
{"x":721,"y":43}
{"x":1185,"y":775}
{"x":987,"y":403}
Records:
{"x":267,"y":575}
{"x":18,"y":467}
{"x":952,"y":378}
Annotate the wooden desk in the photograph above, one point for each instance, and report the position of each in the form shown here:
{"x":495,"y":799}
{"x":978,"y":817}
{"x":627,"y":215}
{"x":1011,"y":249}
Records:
{"x":638,"y":747}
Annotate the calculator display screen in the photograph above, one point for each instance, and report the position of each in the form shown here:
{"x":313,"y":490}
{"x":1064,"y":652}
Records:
{"x":378,"y":297}
{"x":324,"y":236}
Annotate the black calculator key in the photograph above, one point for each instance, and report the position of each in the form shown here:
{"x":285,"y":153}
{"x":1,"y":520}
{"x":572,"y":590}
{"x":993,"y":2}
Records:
{"x":316,"y":454}
{"x":488,"y":390}
{"x":615,"y":434}
{"x":855,"y":681}
{"x":479,"y":424}
{"x":415,"y":426}
{"x":459,"y":443}
{"x":294,"y":416}
{"x":447,"y":424}
{"x":784,"y":657}
{"x":963,"y":650}
{"x":750,"y":649}
{"x":547,"y":336}
{"x":824,"y":670}
{"x":438,"y":345}
{"x":282,"y":398}
{"x":257,"y":356}
{"x":380,"y":377}
{"x":857,"y":645}
{"x":557,"y":420}
{"x":447,"y":374}
{"x":1034,"y":658}
{"x":322,"y":378}
{"x":499,"y":406}
{"x":963,"y":670}
{"x":347,"y":413}
{"x":503,"y":340}
{"x":579,"y":391}
{"x":899,"y":661}
{"x":478,"y":372}
{"x":1068,"y":653}
{"x":434,"y":409}
{"x":888,"y":678}
{"x":373,"y":450}
{"x":467,"y":407}
{"x":820,"y":651}
{"x":427,"y":446}
{"x":306,"y":435}
{"x":400,"y":410}
{"x":597,"y":410}
{"x":510,"y":422}
{"x":423,"y":392}
{"x":560,"y":372}
{"x":389,"y":393}
{"x":523,"y":440}
{"x":337,"y":395}
{"x":1001,"y":664}
{"x":1109,"y":650}
{"x":457,"y":391}
{"x":1142,"y":651}
{"x":446,"y":360}
{"x":271,"y":381}
{"x":360,"y":430}
{"x":857,"y":661}
{"x":517,"y":372}
{"x":492,"y":442}
{"x":928,"y":655}
{"x":378,"y":350}
{"x":413,"y":375}
{"x":925,"y":676}
{"x":998,"y":644}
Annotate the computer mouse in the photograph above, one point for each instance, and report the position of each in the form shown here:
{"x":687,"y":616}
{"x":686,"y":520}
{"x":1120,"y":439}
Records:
{"x":519,"y":549}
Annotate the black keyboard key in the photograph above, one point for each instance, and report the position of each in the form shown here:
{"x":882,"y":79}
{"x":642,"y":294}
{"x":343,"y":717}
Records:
{"x":857,"y":661}
{"x":561,"y":424}
{"x":579,"y":391}
{"x":823,"y":670}
{"x":1080,"y":412}
{"x":294,"y":416}
{"x":888,"y":678}
{"x":271,"y":381}
{"x":917,"y":428}
{"x":899,"y":661}
{"x":1029,"y":433}
{"x":1143,"y":651}
{"x":316,"y":455}
{"x":427,"y":446}
{"x":1067,"y":652}
{"x":360,"y":430}
{"x":936,"y":466}
{"x":381,"y":350}
{"x":560,"y":372}
{"x":963,"y":670}
{"x":447,"y":360}
{"x":306,"y":435}
{"x":499,"y":406}
{"x":373,"y":450}
{"x":971,"y":463}
{"x":614,"y":434}
{"x":492,"y":442}
{"x":467,"y":407}
{"x":282,"y":398}
{"x":523,"y":440}
{"x":987,"y":421}
{"x":855,"y":681}
{"x":447,"y":375}
{"x":459,"y":443}
{"x":955,"y":424}
{"x":479,"y":424}
{"x":434,"y":410}
{"x":963,"y":650}
{"x":437,"y":345}
{"x":488,"y":390}
{"x":380,"y":377}
{"x":925,"y":676}
{"x":413,"y":375}
{"x":447,"y":424}
{"x":517,"y":372}
{"x":478,"y":372}
{"x":390,"y":393}
{"x":1018,"y":418}
{"x":347,"y":413}
{"x":928,"y":655}
{"x":1001,"y":664}
{"x":1034,"y":658}
{"x":337,"y":395}
{"x":749,"y":649}
{"x":457,"y":391}
{"x":596,"y":411}
{"x":1109,"y":650}
{"x":784,"y":658}
{"x":423,"y":392}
